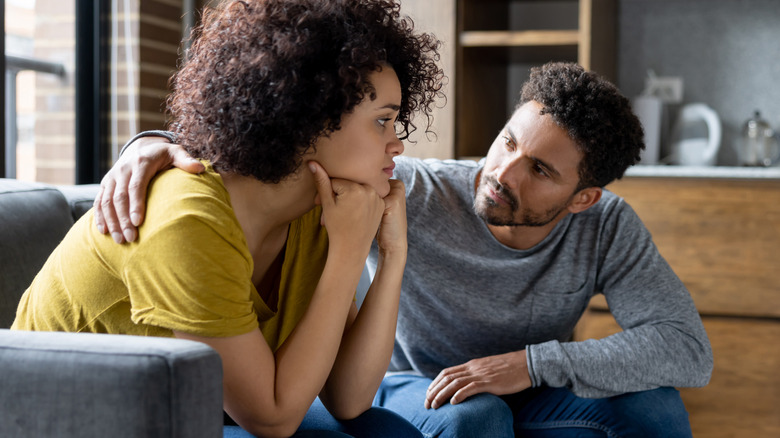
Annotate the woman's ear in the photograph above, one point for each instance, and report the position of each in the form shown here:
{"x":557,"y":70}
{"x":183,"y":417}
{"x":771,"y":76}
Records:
{"x":584,"y":199}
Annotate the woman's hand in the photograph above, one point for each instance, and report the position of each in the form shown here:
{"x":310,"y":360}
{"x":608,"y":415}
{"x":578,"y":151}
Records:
{"x":351,"y":212}
{"x":120,"y":203}
{"x":391,"y":237}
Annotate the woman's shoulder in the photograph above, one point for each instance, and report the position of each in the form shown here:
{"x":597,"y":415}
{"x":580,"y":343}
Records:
{"x":176,"y":195}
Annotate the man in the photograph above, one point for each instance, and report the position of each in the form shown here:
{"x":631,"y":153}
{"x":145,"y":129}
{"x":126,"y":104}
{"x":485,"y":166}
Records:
{"x":503,"y":257}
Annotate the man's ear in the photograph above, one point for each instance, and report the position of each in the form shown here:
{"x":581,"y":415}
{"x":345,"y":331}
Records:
{"x":584,"y":199}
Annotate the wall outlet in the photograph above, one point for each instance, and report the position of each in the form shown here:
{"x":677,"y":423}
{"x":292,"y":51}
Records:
{"x":667,"y":88}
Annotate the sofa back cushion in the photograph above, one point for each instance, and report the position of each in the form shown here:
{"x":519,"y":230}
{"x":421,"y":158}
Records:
{"x":33,"y":219}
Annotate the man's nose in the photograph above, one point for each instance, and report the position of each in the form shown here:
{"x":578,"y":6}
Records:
{"x":508,"y":173}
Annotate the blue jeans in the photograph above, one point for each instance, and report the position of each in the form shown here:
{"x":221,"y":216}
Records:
{"x":538,"y":412}
{"x":375,"y":422}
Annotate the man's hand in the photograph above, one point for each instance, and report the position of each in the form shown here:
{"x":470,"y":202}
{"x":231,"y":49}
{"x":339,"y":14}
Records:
{"x":120,"y":203}
{"x":498,"y":375}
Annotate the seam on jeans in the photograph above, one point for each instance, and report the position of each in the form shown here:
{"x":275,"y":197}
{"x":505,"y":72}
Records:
{"x":564,"y":424}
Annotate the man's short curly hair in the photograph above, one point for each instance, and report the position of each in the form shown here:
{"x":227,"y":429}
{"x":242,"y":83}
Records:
{"x":266,"y":78}
{"x":595,"y":115}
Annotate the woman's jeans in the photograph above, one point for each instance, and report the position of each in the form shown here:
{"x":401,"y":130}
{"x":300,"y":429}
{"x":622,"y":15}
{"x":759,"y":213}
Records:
{"x":538,"y":412}
{"x":375,"y":422}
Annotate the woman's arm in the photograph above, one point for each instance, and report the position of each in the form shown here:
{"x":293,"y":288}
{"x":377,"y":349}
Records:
{"x":368,"y":340}
{"x":269,"y":393}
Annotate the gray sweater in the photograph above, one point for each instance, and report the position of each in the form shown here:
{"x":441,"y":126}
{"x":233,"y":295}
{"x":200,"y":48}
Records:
{"x":465,"y":295}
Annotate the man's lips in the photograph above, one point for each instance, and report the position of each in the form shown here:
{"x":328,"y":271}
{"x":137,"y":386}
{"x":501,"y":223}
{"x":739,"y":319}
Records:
{"x":496,"y":197}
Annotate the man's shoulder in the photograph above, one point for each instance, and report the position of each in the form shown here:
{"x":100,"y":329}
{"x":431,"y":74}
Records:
{"x":610,"y":210}
{"x":410,"y":169}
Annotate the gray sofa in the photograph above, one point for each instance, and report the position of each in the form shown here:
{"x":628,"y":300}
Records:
{"x":89,"y":385}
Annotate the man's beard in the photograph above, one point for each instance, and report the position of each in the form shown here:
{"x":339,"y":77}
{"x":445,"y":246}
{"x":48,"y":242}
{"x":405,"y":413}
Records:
{"x":516,"y":216}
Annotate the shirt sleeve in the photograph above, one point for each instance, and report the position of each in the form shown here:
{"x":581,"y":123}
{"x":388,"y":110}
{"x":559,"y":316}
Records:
{"x":192,"y":276}
{"x":663,"y":342}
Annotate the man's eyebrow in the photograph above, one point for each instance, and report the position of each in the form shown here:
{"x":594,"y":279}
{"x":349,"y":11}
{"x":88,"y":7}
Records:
{"x":539,"y":162}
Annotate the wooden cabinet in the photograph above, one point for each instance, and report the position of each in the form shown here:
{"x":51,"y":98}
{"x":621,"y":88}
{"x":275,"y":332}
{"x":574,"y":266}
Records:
{"x":721,"y":237}
{"x":498,"y":43}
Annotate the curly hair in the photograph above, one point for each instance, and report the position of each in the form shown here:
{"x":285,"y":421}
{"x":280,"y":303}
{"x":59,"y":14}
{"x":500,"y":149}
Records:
{"x":266,"y":78}
{"x":595,"y":115}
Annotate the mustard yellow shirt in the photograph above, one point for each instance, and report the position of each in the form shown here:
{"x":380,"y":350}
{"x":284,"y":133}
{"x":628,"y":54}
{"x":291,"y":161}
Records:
{"x":189,"y":270}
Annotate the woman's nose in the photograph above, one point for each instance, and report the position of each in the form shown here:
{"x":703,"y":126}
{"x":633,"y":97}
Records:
{"x":395,"y":146}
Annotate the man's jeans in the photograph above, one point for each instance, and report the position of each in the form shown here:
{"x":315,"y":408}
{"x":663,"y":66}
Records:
{"x":538,"y":412}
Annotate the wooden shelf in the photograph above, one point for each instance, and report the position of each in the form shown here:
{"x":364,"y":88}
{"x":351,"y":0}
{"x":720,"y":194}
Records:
{"x":519,"y":38}
{"x":498,"y":43}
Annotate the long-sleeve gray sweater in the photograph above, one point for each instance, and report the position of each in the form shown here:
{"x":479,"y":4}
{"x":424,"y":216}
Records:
{"x":465,"y":295}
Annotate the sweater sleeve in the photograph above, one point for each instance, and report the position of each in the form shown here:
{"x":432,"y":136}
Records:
{"x":167,"y":134}
{"x":663,"y":341}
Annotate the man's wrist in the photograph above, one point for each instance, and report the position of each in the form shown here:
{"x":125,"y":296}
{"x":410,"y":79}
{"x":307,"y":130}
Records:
{"x":155,"y":133}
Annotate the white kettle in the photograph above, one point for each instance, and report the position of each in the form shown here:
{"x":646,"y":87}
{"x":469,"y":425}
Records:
{"x":696,"y":136}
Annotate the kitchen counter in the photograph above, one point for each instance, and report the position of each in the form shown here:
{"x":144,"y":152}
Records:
{"x":704,"y":172}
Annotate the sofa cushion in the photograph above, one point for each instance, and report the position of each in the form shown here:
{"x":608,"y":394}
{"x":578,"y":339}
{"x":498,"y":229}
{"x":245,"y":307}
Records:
{"x":82,"y":384}
{"x":33,"y":219}
{"x":80,"y":197}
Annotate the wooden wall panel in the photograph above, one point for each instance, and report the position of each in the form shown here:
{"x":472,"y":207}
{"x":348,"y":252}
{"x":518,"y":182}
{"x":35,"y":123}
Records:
{"x":721,"y":237}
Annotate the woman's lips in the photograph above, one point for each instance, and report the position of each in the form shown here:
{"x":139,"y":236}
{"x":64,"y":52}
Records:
{"x":389,"y":170}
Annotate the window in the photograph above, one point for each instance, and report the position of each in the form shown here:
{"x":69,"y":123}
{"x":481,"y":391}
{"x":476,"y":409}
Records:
{"x":39,"y":88}
{"x":87,"y":74}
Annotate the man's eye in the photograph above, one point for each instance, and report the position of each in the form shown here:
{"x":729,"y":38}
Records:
{"x":508,"y":142}
{"x":540,"y":170}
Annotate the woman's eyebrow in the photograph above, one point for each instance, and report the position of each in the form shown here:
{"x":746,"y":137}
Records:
{"x":392,"y":106}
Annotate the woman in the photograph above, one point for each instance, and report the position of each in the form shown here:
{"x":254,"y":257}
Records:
{"x":294,"y":108}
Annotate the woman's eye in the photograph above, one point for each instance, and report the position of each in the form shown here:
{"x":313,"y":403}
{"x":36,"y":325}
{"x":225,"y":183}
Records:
{"x":382,"y":122}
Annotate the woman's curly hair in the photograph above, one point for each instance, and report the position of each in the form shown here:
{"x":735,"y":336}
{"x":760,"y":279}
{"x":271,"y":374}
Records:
{"x":595,"y":115}
{"x":266,"y":78}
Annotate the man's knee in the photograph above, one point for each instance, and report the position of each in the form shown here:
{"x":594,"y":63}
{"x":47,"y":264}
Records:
{"x":658,"y":412}
{"x":480,"y":415}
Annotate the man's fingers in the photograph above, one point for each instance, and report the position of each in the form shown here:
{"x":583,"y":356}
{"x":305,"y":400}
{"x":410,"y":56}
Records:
{"x":443,"y":394}
{"x":184,"y":161}
{"x":100,"y":222}
{"x":463,"y":393}
{"x":109,"y":213}
{"x":444,"y":387}
{"x":121,"y":209}
{"x":136,"y":188}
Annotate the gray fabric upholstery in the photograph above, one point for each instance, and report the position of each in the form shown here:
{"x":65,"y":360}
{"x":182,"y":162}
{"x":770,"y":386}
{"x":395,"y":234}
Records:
{"x":72,"y":385}
{"x":79,"y":197}
{"x":89,"y":385}
{"x":33,"y":220}
{"x":34,"y":217}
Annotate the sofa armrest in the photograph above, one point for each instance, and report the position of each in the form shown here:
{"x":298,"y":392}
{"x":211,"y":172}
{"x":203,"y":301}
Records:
{"x":80,"y":384}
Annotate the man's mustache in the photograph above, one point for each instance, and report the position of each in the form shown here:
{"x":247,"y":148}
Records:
{"x":501,"y":190}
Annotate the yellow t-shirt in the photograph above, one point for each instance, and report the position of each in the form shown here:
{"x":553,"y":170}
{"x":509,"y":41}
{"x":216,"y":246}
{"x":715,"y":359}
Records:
{"x":189,"y":270}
